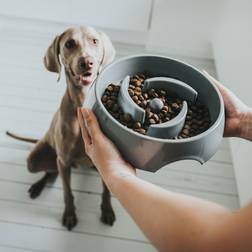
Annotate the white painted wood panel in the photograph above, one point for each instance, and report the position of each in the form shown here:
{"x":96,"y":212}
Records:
{"x":53,"y":194}
{"x":165,"y":176}
{"x":232,"y":48}
{"x":109,"y":14}
{"x":211,"y":168}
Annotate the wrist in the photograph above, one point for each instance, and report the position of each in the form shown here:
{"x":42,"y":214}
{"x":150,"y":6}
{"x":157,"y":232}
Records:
{"x":115,"y":173}
{"x":246,"y":125}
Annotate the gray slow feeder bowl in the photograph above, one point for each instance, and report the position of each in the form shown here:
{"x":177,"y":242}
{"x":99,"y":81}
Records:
{"x":149,"y":152}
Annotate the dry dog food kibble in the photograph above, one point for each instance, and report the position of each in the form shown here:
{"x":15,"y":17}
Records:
{"x":197,"y":119}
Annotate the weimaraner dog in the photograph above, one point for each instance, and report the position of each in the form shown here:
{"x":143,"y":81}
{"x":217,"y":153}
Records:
{"x":83,"y":52}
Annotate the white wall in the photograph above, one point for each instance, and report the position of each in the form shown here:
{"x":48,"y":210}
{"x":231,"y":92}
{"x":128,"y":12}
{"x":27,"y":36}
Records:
{"x":123,"y":15}
{"x":233,"y":54}
{"x":184,"y":27}
{"x":177,"y":27}
{"x":124,"y":21}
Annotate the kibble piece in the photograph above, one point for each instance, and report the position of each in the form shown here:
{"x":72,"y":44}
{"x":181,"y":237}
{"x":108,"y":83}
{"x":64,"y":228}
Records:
{"x":141,"y":131}
{"x":131,"y":92}
{"x":151,"y":91}
{"x":165,"y":108}
{"x":135,"y":98}
{"x":104,"y":98}
{"x":143,"y":104}
{"x":161,"y":116}
{"x":155,"y":117}
{"x":137,"y":125}
{"x":163,"y":92}
{"x":116,"y":115}
{"x":110,"y":88}
{"x":138,"y":89}
{"x":167,"y":118}
{"x":141,"y":98}
{"x":149,"y":114}
{"x":145,"y":95}
{"x":117,"y":88}
{"x":142,"y":76}
{"x":126,"y":118}
{"x":186,"y":132}
{"x":115,"y":107}
{"x":175,"y":106}
{"x":137,"y":93}
{"x":110,"y":103}
{"x":138,"y":83}
{"x":148,"y":109}
{"x":113,"y":97}
{"x":137,"y":76}
{"x":134,"y":79}
{"x":152,"y":121}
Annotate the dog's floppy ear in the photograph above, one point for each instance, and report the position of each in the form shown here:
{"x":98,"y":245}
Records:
{"x":51,"y":58}
{"x":108,"y":50}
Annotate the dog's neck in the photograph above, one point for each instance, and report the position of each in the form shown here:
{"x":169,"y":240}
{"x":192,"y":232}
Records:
{"x":74,"y":95}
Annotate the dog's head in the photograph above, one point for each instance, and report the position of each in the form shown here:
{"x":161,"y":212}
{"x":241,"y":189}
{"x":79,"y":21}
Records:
{"x":83,"y":51}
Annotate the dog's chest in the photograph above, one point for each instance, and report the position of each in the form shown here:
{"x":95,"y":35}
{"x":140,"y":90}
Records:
{"x":71,"y":140}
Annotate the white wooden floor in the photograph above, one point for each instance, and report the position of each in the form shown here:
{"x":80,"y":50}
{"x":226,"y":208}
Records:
{"x":29,"y":95}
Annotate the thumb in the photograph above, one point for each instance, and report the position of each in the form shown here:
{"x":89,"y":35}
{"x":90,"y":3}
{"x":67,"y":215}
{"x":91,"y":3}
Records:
{"x":91,"y":123}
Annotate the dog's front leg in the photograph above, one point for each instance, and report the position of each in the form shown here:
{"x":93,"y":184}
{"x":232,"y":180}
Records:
{"x":107,"y":212}
{"x":69,"y":218}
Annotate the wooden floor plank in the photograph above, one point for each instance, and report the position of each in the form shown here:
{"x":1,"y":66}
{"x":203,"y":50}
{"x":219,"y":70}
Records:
{"x":32,"y":237}
{"x":163,"y":177}
{"x":10,"y":248}
{"x":48,"y":209}
{"x":216,"y":168}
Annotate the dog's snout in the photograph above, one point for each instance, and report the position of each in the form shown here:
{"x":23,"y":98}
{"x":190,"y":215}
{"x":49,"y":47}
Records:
{"x":85,"y":63}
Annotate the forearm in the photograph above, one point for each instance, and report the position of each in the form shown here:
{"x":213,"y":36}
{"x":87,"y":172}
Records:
{"x":171,"y":221}
{"x":246,"y":125}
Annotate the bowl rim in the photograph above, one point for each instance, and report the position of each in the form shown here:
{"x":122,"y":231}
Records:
{"x":146,"y":137}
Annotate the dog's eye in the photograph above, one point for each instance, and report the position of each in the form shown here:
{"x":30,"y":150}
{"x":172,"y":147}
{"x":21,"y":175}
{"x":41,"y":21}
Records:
{"x":70,"y":44}
{"x":95,"y":41}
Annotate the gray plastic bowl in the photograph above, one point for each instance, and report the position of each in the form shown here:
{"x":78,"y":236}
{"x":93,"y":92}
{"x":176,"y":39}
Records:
{"x":150,"y":153}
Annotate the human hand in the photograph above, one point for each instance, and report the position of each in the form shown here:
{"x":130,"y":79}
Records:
{"x":103,"y":153}
{"x":238,"y":115}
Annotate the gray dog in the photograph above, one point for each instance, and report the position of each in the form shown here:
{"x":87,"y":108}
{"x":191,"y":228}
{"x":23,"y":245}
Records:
{"x":84,"y":52}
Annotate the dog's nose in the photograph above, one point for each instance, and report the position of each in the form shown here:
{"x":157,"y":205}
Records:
{"x":85,"y":63}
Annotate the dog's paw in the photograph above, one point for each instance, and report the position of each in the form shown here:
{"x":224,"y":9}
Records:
{"x":35,"y":189}
{"x":108,"y":217}
{"x":69,"y":219}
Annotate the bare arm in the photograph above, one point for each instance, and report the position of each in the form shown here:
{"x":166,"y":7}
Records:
{"x":171,"y":221}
